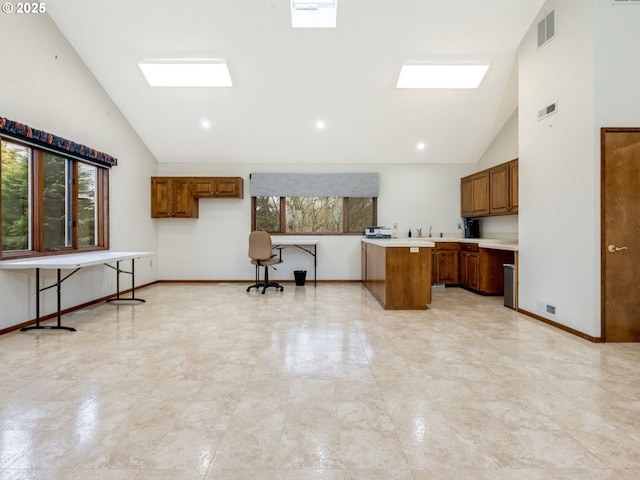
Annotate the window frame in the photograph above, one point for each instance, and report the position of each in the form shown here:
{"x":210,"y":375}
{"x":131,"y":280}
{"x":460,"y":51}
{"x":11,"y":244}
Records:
{"x":345,"y":218}
{"x":36,"y":213}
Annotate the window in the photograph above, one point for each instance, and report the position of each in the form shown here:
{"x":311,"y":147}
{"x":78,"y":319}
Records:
{"x":87,"y":200}
{"x":15,"y":170}
{"x":333,"y":203}
{"x":335,"y":215}
{"x":50,"y":203}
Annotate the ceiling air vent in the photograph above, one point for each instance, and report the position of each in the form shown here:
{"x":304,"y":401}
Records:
{"x":547,"y":28}
{"x":314,"y":13}
{"x":548,"y":110}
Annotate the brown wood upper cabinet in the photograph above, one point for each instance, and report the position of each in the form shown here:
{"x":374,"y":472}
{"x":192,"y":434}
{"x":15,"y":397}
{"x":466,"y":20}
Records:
{"x":177,"y":197}
{"x":491,"y":192}
{"x":513,"y":185}
{"x":474,"y":191}
{"x":218,"y":187}
{"x":504,"y":189}
{"x":171,"y":198}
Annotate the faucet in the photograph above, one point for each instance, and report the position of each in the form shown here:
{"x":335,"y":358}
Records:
{"x":429,"y":231}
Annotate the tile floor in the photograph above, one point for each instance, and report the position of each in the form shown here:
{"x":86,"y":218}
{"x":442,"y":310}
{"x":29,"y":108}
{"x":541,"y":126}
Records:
{"x":207,"y":382}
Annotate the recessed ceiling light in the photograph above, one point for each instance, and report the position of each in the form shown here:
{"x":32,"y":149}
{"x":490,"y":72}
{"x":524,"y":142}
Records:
{"x":314,"y":13}
{"x":186,"y":73}
{"x":205,"y":124}
{"x":320,"y":124}
{"x":431,"y":75}
{"x":421,"y":146}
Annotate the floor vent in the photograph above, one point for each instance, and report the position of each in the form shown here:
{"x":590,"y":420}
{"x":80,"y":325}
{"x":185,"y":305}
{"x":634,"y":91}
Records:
{"x":547,"y":28}
{"x":548,"y":110}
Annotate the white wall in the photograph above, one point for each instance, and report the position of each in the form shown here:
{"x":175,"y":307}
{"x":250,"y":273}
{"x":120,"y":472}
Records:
{"x":590,"y":68}
{"x":214,"y":246}
{"x":45,"y":85}
{"x":502,"y":149}
{"x":617,"y":102}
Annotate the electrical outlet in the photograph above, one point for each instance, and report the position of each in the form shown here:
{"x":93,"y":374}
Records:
{"x":459,"y":226}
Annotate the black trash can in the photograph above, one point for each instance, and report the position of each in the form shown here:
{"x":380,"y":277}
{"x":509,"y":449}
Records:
{"x":509,"y":285}
{"x":300,"y":275}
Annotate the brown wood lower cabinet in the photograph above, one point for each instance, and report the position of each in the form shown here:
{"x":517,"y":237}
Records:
{"x":446,"y":263}
{"x":398,"y":277}
{"x":482,"y":269}
{"x":469,"y":269}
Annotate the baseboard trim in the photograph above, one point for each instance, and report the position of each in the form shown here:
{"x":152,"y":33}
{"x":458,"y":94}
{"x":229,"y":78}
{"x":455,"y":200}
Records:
{"x":50,"y":316}
{"x":570,"y":330}
{"x":307,"y":283}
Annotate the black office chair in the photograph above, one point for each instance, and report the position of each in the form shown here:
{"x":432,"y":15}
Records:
{"x":261,"y":254}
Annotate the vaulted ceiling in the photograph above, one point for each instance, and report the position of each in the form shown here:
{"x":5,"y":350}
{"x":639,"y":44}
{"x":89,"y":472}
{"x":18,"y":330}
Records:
{"x":285,"y":79}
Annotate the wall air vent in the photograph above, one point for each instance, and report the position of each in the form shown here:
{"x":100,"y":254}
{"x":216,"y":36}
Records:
{"x":548,"y":110}
{"x":547,"y":28}
{"x":314,"y":13}
{"x":546,"y":308}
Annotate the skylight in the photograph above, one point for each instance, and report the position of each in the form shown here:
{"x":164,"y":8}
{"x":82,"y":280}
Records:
{"x":432,"y":75}
{"x":314,"y":14}
{"x":186,"y":73}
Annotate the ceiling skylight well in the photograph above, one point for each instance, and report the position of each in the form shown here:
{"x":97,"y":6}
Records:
{"x":439,"y":75}
{"x":314,"y":14}
{"x":186,"y":73}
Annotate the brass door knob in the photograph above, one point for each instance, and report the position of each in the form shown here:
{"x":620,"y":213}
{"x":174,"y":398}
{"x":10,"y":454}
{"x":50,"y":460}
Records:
{"x":613,"y":248}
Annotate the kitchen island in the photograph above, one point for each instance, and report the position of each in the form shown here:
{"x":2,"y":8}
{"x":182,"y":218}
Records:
{"x":397,"y":272}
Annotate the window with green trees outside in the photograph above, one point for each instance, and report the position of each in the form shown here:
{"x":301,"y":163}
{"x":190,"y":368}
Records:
{"x":50,"y":203}
{"x":333,"y":215}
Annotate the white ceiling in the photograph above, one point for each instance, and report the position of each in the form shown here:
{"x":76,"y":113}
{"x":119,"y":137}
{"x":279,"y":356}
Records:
{"x":285,"y":79}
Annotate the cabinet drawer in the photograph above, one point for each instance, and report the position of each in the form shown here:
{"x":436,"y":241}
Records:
{"x":469,"y":247}
{"x":446,"y":245}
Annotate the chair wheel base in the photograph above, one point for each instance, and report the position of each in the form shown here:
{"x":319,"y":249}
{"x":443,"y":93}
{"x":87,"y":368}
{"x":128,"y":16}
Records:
{"x":264,"y":287}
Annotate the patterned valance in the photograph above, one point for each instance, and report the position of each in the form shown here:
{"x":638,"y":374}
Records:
{"x":48,"y":141}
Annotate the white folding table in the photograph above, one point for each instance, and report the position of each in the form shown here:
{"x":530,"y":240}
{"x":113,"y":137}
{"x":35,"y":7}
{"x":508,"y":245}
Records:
{"x":75,"y":262}
{"x":304,"y":245}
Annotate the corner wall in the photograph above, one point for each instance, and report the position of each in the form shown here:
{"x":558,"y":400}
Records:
{"x":559,"y":171}
{"x":503,"y":147}
{"x":591,"y":70}
{"x":47,"y":86}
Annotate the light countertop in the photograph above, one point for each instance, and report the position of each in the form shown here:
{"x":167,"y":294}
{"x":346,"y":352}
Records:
{"x":495,"y":243}
{"x":400,"y":242}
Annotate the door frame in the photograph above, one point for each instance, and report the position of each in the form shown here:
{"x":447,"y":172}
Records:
{"x":603,"y":232}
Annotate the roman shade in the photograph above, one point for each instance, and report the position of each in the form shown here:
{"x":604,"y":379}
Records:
{"x":53,"y":143}
{"x":314,"y":184}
